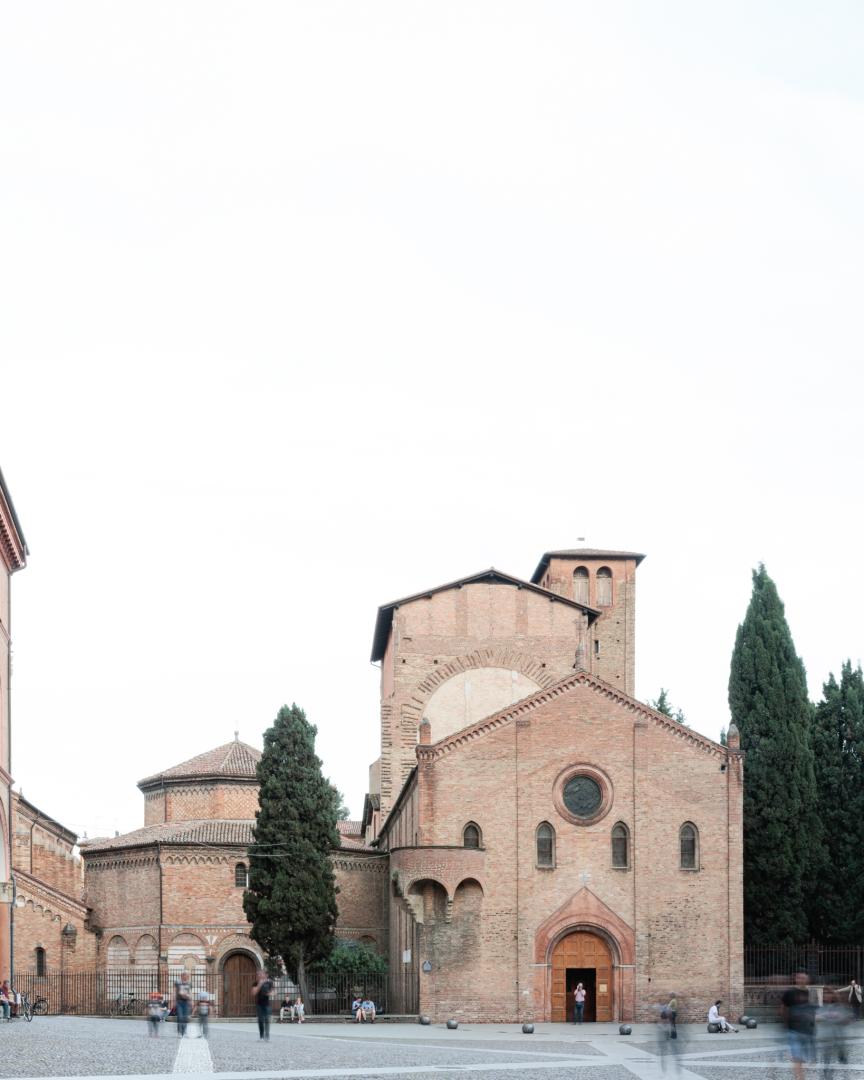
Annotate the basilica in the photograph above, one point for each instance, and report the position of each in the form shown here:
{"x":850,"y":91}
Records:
{"x":529,"y":825}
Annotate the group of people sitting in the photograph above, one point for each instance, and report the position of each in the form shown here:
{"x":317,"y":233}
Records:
{"x":10,"y":1000}
{"x":363,"y":1011}
{"x":293,"y":1008}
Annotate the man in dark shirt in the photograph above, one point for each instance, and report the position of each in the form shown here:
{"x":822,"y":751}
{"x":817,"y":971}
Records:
{"x":261,"y":992}
{"x":799,"y":1016}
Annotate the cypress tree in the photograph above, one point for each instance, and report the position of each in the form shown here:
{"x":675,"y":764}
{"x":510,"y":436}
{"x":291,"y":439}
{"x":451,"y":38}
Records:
{"x":769,"y":703}
{"x":838,"y":745}
{"x":291,"y":900}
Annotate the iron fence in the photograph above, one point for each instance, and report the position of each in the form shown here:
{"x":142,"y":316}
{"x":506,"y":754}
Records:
{"x":826,"y":965}
{"x":125,"y":991}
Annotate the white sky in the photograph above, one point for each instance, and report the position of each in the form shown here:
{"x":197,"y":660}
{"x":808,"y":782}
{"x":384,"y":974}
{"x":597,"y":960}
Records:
{"x":309,"y":306}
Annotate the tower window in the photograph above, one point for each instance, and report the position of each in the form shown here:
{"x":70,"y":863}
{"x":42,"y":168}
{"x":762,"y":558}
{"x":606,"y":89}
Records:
{"x":581,"y":585}
{"x":471,"y":835}
{"x":604,"y":587}
{"x":620,"y":846}
{"x":688,"y":839}
{"x":241,"y":876}
{"x":545,"y":845}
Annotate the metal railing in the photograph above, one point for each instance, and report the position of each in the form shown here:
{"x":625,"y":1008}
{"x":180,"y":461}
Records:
{"x":826,"y":965}
{"x":125,"y":991}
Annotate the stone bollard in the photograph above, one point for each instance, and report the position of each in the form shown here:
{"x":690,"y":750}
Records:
{"x":425,"y":1021}
{"x":452,"y":1024}
{"x":713,"y":1029}
{"x":527,"y":1029}
{"x":625,"y":1029}
{"x":752,"y":1022}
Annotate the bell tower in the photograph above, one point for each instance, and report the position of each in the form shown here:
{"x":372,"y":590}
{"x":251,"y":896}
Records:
{"x":605,"y":581}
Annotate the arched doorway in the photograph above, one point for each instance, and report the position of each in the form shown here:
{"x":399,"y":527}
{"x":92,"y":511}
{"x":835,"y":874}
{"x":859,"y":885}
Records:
{"x":238,"y":977}
{"x":582,"y":957}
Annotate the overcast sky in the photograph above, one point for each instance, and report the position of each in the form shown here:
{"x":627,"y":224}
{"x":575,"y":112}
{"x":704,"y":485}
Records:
{"x":310,"y":306}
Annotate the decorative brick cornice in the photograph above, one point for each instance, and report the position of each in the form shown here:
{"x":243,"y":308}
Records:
{"x":522,"y":710}
{"x":376,"y":865}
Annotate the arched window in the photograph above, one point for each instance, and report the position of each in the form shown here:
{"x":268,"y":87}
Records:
{"x":688,"y":839}
{"x":241,"y":876}
{"x":471,"y":835}
{"x":545,"y":845}
{"x":620,"y":846}
{"x":604,"y":587}
{"x":581,"y":585}
{"x":40,"y":961}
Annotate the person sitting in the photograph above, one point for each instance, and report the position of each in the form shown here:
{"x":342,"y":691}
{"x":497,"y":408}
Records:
{"x":714,"y":1017}
{"x":368,"y":1007}
{"x":286,"y":1006}
{"x":357,"y":1011}
{"x":5,"y":1003}
{"x":299,"y":1010}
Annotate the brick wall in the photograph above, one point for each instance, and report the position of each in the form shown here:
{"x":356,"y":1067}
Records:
{"x":467,"y":629}
{"x":232,"y":801}
{"x":658,"y":775}
{"x":363,"y":884}
{"x":40,"y":922}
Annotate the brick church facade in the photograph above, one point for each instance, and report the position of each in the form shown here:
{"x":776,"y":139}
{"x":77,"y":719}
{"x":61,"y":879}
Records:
{"x":528,"y":825}
{"x":543,"y":827}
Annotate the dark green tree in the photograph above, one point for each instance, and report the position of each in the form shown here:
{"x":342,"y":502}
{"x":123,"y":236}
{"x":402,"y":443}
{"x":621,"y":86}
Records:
{"x":838,"y":749}
{"x":769,"y":703}
{"x":342,"y":811}
{"x":291,"y":899}
{"x":353,"y":959}
{"x":663,"y":705}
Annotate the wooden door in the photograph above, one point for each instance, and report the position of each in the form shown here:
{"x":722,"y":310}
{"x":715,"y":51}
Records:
{"x":238,"y":978}
{"x":581,"y":950}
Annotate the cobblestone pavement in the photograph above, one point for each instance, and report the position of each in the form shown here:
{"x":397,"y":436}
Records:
{"x":77,"y":1046}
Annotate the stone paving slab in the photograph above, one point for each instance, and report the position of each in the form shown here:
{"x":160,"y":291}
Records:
{"x":68,"y":1046}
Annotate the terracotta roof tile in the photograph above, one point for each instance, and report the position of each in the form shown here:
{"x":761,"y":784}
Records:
{"x":177,"y":832}
{"x":234,"y":759}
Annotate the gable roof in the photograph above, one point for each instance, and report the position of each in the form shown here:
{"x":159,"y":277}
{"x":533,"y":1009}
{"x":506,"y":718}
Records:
{"x":12,"y":541}
{"x":528,"y":704}
{"x":490,"y":576}
{"x":232,"y":761}
{"x":582,"y":553}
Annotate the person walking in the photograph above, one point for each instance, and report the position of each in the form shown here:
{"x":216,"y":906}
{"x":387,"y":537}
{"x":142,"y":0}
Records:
{"x":204,"y":1013}
{"x":182,"y":1002}
{"x":799,"y":1017}
{"x":154,"y":1013}
{"x":854,"y":992}
{"x":578,"y":1003}
{"x":261,"y":993}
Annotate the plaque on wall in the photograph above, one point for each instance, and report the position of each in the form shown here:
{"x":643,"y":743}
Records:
{"x":427,"y":966}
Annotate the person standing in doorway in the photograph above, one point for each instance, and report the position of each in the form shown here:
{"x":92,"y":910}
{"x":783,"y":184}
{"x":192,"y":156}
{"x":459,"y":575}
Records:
{"x":578,"y":1003}
{"x":261,"y":993}
{"x":183,"y":1002}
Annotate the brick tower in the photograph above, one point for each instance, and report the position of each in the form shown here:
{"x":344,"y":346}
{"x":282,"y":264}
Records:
{"x":606,"y":581}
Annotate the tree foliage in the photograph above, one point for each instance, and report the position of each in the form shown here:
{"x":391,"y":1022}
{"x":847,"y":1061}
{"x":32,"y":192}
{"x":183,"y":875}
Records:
{"x":353,"y":959}
{"x":291,"y":899}
{"x":769,"y":703}
{"x":838,"y":747}
{"x":663,"y":705}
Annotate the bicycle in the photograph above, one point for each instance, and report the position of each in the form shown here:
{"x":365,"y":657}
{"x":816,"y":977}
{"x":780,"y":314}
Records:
{"x":22,"y":1008}
{"x":40,"y":1006}
{"x":125,"y":1006}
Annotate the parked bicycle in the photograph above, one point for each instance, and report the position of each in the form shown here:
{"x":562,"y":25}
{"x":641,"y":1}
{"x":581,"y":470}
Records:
{"x":126,"y":1005}
{"x":21,"y":1008}
{"x":40,"y":1006}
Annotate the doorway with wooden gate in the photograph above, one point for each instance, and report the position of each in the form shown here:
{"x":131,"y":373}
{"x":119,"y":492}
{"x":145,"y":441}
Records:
{"x":582,"y":957}
{"x":239,"y":971}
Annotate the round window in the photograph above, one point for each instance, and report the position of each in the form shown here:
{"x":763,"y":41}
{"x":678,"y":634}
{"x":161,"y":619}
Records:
{"x":582,"y":796}
{"x":582,"y":793}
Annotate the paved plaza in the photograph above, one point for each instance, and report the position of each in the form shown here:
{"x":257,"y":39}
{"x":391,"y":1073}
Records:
{"x":71,"y":1046}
